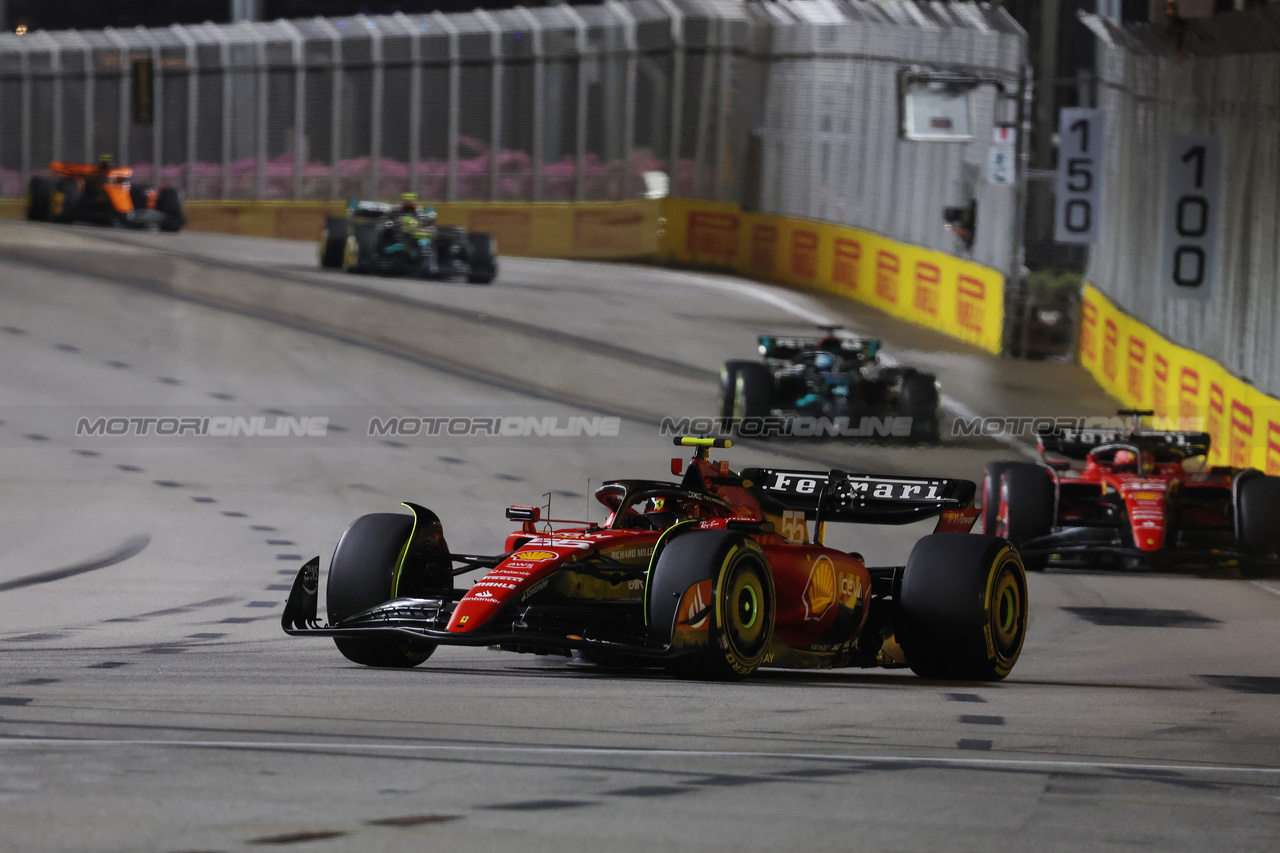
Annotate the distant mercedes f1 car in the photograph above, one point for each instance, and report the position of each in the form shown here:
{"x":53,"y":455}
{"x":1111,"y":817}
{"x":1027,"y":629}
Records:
{"x":102,"y":194}
{"x":713,"y":576}
{"x":1135,"y":502}
{"x":404,"y":240}
{"x":839,"y":382}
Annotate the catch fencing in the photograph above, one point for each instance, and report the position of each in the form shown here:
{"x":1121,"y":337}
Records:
{"x":786,"y":107}
{"x":1224,"y":79}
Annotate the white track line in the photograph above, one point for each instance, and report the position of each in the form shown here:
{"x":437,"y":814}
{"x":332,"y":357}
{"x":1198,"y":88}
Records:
{"x":1045,"y":764}
{"x":764,"y":293}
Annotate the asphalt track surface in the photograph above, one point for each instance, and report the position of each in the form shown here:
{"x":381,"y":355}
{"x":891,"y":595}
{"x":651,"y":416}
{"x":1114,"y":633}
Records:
{"x":150,"y":702}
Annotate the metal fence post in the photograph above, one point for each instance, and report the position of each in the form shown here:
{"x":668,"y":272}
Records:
{"x":122,"y":147}
{"x":415,"y":95}
{"x":1015,"y":287}
{"x":299,"y":103}
{"x":224,"y":61}
{"x":455,"y":91}
{"x":677,"y":86}
{"x":375,"y":115}
{"x":580,"y":145}
{"x":264,"y":89}
{"x":193,"y":102}
{"x":704,"y":114}
{"x":335,"y":103}
{"x":157,"y":101}
{"x":55,"y":69}
{"x":495,"y":97}
{"x":629,"y":93}
{"x":25,"y":71}
{"x":722,"y":110}
{"x":539,"y":93}
{"x":87,"y":107}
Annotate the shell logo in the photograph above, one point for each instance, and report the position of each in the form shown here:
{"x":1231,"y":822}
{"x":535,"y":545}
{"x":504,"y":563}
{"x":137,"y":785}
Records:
{"x":1146,"y":496}
{"x":537,"y":556}
{"x":820,"y":591}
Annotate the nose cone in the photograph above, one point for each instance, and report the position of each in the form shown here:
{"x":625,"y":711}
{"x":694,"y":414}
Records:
{"x":1148,"y":516}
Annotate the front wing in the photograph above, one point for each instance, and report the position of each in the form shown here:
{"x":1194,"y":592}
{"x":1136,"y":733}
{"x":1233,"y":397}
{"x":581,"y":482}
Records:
{"x":600,"y":626}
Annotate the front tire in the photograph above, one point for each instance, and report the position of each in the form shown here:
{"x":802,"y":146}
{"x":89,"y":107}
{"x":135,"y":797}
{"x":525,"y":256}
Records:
{"x":962,"y":607}
{"x":360,"y":577}
{"x":333,"y":242}
{"x":729,"y":385}
{"x":1025,"y":508}
{"x":741,"y":610}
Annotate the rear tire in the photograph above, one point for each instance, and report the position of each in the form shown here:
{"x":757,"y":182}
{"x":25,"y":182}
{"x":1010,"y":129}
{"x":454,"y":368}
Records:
{"x":741,"y":611}
{"x":920,"y":402}
{"x":962,"y":607}
{"x":481,"y":258}
{"x":360,"y":577}
{"x":753,"y":391}
{"x":1025,"y":508}
{"x":39,"y":197}
{"x":169,"y":202}
{"x":66,"y":200}
{"x":333,"y":242}
{"x":1258,"y":520}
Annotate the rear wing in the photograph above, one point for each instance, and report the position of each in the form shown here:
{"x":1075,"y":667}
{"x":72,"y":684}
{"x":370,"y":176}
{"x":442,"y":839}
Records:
{"x":772,"y":346}
{"x":372,"y":208}
{"x":1077,"y":443}
{"x":861,"y":498}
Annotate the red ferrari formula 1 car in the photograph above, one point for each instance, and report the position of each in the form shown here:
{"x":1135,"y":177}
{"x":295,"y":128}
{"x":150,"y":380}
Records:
{"x":713,"y":577}
{"x":1141,"y":499}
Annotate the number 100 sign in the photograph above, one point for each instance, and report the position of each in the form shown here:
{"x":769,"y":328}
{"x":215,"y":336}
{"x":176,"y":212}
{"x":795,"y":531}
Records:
{"x":1191,"y":215}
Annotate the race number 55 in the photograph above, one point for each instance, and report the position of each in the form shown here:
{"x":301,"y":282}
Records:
{"x":1191,"y":214}
{"x":1078,"y":199}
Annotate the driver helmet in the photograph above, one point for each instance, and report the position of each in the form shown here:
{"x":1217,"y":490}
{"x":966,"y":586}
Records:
{"x":105,"y":162}
{"x":1125,"y":459}
{"x":824,"y":362}
{"x":409,"y":203}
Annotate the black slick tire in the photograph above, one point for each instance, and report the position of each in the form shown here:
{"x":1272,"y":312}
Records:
{"x":753,"y":391}
{"x":962,"y":607}
{"x":741,"y":612}
{"x":1257,"y":506}
{"x":1024,"y":508}
{"x":360,"y":576}
{"x":65,"y":201}
{"x":333,"y":242}
{"x":39,"y":195}
{"x":482,"y":263}
{"x":169,"y":202}
{"x":919,"y":401}
{"x":729,"y":384}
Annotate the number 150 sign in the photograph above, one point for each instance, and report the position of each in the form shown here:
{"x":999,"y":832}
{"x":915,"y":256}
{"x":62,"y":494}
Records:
{"x":1191,"y":216}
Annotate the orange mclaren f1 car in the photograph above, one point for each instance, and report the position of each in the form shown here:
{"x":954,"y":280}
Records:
{"x":102,"y":194}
